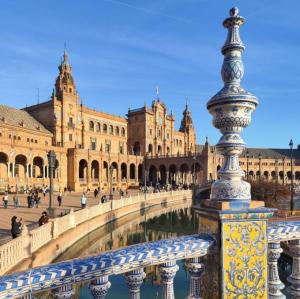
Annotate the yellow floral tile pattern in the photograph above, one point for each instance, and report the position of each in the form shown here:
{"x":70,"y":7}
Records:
{"x":244,"y":260}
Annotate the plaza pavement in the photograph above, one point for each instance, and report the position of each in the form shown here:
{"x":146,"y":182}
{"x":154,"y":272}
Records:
{"x":31,"y":216}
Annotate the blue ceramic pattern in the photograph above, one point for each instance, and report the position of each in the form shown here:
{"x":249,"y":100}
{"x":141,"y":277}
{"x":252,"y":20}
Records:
{"x":283,"y":231}
{"x":108,"y":263}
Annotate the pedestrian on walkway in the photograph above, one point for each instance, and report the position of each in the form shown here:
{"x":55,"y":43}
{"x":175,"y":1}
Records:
{"x":16,"y":200}
{"x":16,"y":227}
{"x":95,"y":193}
{"x":43,"y":219}
{"x":83,"y":201}
{"x":59,"y":199}
{"x":5,"y":200}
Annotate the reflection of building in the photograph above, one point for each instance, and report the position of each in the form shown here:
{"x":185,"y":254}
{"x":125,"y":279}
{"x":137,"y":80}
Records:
{"x":95,"y":149}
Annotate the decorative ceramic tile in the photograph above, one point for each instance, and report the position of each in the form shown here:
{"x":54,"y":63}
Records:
{"x":244,"y":260}
{"x":108,"y":263}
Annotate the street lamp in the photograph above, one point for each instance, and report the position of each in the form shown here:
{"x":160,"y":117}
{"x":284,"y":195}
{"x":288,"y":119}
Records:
{"x":51,"y":162}
{"x":247,"y":156}
{"x":259,"y":158}
{"x":111,"y":169}
{"x":291,"y":144}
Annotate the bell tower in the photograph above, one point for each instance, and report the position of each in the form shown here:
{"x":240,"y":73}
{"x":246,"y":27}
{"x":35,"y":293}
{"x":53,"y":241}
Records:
{"x":187,"y":128}
{"x":64,"y":84}
{"x":67,"y":110}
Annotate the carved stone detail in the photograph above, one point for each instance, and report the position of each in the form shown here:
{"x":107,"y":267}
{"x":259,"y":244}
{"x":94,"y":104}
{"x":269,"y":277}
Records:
{"x":274,"y":284}
{"x":167,"y":273}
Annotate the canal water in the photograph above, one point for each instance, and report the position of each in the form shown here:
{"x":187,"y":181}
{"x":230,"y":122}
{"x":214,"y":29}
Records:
{"x":153,"y":224}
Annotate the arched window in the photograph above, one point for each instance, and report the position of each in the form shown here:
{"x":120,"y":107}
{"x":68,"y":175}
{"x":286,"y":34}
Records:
{"x":91,"y":125}
{"x":123,"y":132}
{"x":111,"y":130}
{"x":105,"y":128}
{"x":98,"y":127}
{"x":117,"y":131}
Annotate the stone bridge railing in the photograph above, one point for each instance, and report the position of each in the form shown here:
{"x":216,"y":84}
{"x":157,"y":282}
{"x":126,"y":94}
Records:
{"x":283,"y":234}
{"x":29,"y":242}
{"x":61,"y":277}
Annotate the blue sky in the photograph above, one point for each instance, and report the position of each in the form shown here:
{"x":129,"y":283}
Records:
{"x":120,"y":50}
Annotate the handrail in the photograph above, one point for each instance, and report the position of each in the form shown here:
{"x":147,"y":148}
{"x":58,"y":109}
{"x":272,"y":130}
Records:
{"x":107,"y":263}
{"x":24,"y":246}
{"x":283,"y":231}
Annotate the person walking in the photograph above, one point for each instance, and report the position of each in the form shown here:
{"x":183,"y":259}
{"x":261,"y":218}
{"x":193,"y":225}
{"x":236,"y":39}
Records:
{"x":16,"y":200}
{"x":59,"y":199}
{"x":83,"y":201}
{"x":5,"y":200}
{"x":16,"y":227}
{"x":95,"y":193}
{"x":44,"y":219}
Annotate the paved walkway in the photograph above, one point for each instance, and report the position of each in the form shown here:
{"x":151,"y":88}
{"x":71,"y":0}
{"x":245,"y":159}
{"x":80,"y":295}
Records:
{"x":30,"y":216}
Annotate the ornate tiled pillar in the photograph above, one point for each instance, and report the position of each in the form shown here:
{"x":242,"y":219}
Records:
{"x":195,"y":268}
{"x":64,"y":292}
{"x":167,"y":273}
{"x":134,"y":279}
{"x":274,"y":283}
{"x":100,"y":286}
{"x":294,"y":278}
{"x":239,"y":223}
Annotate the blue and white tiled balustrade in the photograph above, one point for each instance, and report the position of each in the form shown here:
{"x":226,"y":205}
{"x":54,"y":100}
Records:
{"x":60,"y":277}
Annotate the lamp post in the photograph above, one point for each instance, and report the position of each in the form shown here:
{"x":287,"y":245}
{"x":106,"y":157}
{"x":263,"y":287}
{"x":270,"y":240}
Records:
{"x":51,"y":161}
{"x":291,"y":144}
{"x":259,"y":158}
{"x":111,"y":169}
{"x":247,"y":156}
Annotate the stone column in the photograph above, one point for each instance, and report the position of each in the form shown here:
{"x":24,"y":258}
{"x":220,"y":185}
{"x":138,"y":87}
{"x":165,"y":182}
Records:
{"x":43,"y":167}
{"x":167,"y":273}
{"x":195,"y":268}
{"x":294,"y":278}
{"x":64,"y":292}
{"x":100,"y":286}
{"x":134,"y":279}
{"x":8,"y":169}
{"x":13,"y":169}
{"x":27,"y":174}
{"x":167,"y":177}
{"x":274,"y":283}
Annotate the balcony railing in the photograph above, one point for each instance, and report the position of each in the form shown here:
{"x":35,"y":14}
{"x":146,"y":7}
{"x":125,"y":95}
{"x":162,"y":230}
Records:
{"x":61,"y":277}
{"x":283,"y":234}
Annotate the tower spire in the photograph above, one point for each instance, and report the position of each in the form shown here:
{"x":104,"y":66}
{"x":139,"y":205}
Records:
{"x":157,"y":89}
{"x":231,"y":109}
{"x":65,"y":56}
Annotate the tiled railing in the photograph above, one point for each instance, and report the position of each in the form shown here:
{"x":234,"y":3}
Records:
{"x":287,"y":235}
{"x":131,"y":261}
{"x":24,"y":246}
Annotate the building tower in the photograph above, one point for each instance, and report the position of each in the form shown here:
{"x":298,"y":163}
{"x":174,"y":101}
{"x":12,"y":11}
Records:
{"x":67,"y":116}
{"x":187,"y":128}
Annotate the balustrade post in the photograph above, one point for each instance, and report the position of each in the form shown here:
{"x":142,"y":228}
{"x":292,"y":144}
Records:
{"x":167,"y":272}
{"x":100,"y":286}
{"x":64,"y":292}
{"x":134,"y":279}
{"x":195,"y":268}
{"x":294,"y":278}
{"x":27,"y":296}
{"x":274,"y":283}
